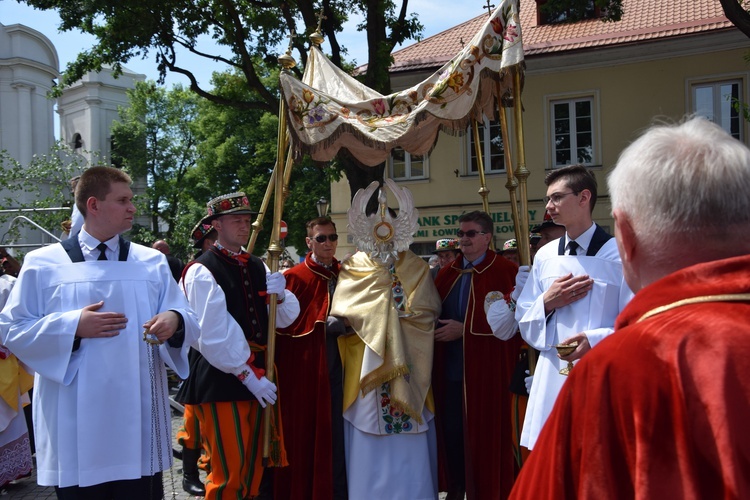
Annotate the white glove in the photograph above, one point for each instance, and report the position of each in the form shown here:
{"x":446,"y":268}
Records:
{"x":521,"y":277}
{"x":502,"y":320}
{"x":263,"y":389}
{"x":275,"y":283}
{"x":528,"y":380}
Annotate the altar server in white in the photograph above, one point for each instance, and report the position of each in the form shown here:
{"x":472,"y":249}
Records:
{"x":98,"y":318}
{"x":575,"y":291}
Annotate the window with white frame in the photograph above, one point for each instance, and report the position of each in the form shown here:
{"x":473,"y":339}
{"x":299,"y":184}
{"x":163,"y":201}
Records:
{"x":405,"y":166}
{"x":491,"y":145}
{"x":573,"y":131}
{"x":718,"y":102}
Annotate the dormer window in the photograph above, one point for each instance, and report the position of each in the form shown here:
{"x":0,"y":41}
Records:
{"x":566,"y":11}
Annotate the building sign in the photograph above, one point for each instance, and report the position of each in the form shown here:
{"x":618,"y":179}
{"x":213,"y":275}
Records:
{"x":441,"y":226}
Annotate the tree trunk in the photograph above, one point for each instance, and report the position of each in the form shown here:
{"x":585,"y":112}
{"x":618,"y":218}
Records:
{"x":736,"y":13}
{"x":360,"y":176}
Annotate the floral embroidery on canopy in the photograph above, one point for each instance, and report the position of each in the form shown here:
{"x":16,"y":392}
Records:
{"x":329,"y":110}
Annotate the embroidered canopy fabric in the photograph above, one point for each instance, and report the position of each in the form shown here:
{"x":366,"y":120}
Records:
{"x":330,"y":110}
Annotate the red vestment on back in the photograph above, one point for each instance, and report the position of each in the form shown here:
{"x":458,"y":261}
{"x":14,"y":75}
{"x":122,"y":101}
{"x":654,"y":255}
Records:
{"x":659,"y":409}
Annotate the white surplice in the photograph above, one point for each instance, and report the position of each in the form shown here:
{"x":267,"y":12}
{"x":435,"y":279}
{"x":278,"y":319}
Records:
{"x":594,"y":315}
{"x":101,"y":413}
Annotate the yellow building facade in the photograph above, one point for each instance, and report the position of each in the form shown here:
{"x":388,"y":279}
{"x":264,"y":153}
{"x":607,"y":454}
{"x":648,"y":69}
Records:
{"x":585,"y":98}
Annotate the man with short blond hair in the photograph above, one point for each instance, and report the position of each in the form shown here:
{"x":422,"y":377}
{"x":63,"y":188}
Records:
{"x":77,"y":317}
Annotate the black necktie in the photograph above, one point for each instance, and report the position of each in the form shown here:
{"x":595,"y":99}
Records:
{"x":573,"y":246}
{"x":102,"y":247}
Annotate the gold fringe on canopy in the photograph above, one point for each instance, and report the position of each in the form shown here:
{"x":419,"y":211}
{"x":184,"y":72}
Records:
{"x":329,"y":110}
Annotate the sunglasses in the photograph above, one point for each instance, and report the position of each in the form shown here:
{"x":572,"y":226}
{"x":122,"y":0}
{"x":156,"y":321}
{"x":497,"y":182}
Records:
{"x":322,"y":237}
{"x":470,"y":233}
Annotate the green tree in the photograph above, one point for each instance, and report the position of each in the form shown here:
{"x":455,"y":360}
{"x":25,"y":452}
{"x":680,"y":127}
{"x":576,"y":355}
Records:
{"x":575,"y":10}
{"x":155,"y":140}
{"x":735,"y":10}
{"x":237,"y":151}
{"x":248,"y":36}
{"x":44,"y":183}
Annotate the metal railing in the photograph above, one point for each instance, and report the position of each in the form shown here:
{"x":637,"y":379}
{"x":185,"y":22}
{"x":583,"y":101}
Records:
{"x":23,"y":218}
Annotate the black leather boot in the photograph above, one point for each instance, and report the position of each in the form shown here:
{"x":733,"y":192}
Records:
{"x":265,"y":490}
{"x":191,"y":481}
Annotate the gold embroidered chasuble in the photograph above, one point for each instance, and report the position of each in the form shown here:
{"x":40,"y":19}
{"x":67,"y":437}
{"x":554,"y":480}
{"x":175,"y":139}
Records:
{"x":402,"y":344}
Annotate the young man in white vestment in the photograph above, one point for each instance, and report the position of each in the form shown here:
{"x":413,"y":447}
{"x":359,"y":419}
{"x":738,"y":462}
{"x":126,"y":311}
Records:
{"x":387,"y":297}
{"x":98,"y":318}
{"x":575,"y":291}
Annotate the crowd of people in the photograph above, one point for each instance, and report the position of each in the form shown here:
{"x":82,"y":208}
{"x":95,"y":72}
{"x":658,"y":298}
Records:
{"x":392,"y":377}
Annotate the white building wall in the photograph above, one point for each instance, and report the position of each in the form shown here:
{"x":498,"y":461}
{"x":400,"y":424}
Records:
{"x":29,"y":68}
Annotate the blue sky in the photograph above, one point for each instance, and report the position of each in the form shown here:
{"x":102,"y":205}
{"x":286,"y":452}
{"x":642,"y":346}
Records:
{"x":435,"y":15}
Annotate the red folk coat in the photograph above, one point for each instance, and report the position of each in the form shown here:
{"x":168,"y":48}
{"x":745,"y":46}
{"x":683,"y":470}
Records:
{"x":488,"y":366}
{"x":303,"y":381}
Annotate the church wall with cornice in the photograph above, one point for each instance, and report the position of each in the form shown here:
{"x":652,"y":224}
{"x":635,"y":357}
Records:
{"x":29,"y":70}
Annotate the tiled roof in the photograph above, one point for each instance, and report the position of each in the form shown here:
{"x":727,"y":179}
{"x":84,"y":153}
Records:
{"x":642,"y":20}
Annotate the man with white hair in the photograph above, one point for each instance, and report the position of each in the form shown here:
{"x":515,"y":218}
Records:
{"x":660,"y":411}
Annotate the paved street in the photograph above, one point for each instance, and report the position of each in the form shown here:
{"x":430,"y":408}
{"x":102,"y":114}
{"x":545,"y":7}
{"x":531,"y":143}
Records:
{"x":27,"y":489}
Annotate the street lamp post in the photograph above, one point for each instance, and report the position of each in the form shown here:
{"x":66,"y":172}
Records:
{"x":322,"y":206}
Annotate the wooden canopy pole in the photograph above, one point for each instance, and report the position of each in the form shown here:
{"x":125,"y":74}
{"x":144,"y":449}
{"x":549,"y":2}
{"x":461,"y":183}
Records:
{"x":274,"y":249}
{"x":483,"y":190}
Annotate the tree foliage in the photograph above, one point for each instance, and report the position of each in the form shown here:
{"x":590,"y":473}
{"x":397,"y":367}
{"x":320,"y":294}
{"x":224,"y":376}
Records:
{"x":155,"y":140}
{"x":246,"y":35}
{"x":237,"y":151}
{"x":577,"y":10}
{"x":44,"y":183}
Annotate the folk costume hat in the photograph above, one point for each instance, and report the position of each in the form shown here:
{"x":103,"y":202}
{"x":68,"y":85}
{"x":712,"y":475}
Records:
{"x":510,"y":245}
{"x":200,"y":231}
{"x":446,"y":244}
{"x":233,"y":203}
{"x":547,"y":222}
